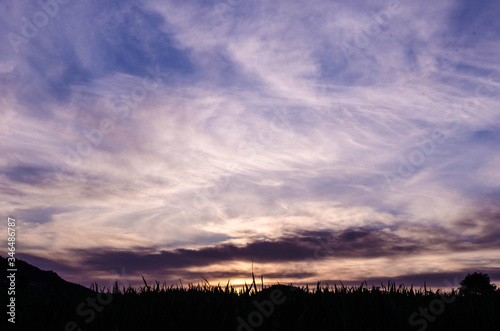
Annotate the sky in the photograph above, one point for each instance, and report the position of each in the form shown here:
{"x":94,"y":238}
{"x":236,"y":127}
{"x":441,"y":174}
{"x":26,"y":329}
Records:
{"x":309,"y":140}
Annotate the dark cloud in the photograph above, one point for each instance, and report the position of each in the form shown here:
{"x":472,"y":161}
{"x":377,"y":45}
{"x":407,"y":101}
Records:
{"x":285,"y":250}
{"x":28,"y":174}
{"x":367,"y":242}
{"x":479,"y":231}
{"x":354,"y":243}
{"x":36,"y":215}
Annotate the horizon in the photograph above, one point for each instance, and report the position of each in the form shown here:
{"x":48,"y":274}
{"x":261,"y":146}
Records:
{"x":260,"y":283}
{"x":302,"y":141}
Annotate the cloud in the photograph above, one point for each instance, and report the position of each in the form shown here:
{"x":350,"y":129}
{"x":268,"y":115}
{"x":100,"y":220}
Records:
{"x":28,"y":174}
{"x":37,"y":215}
{"x":258,"y":131}
{"x":355,"y":243}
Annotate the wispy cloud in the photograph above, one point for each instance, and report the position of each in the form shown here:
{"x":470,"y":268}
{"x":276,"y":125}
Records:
{"x":167,"y":135}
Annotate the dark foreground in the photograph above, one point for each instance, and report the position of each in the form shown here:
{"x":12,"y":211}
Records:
{"x":275,"y":308}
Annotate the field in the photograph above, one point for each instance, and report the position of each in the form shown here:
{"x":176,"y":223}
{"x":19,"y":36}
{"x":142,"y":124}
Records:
{"x":255,"y":307}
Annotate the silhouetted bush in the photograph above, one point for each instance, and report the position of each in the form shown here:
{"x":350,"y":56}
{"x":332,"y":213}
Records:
{"x":477,"y":283}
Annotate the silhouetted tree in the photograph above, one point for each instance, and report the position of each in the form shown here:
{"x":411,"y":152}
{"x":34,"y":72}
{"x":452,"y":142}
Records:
{"x":476,"y":283}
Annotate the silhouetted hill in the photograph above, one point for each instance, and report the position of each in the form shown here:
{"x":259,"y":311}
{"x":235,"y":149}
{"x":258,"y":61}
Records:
{"x":31,"y":277}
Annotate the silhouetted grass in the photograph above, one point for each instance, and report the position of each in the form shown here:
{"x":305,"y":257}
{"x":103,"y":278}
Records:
{"x":206,"y":307}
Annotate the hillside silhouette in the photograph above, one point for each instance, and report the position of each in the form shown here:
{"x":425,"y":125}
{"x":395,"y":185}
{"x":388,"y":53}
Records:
{"x":29,"y":277}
